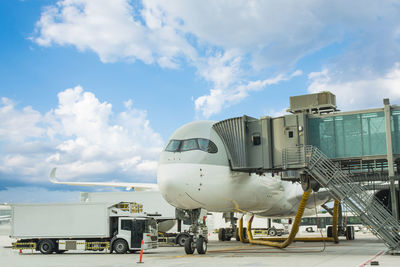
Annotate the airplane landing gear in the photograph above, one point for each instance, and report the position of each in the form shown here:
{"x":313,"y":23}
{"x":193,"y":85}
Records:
{"x":189,"y":246}
{"x":225,"y":234}
{"x":198,"y":231}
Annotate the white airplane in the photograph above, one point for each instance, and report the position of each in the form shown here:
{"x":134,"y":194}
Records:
{"x":194,"y":174}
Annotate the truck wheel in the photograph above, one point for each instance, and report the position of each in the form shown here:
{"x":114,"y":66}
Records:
{"x":272,"y":232}
{"x":46,"y":246}
{"x":120,"y":246}
{"x":189,"y":246}
{"x":181,"y":239}
{"x":201,"y":245}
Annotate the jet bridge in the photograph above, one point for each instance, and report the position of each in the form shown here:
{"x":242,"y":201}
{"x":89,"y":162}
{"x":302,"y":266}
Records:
{"x":336,"y":149}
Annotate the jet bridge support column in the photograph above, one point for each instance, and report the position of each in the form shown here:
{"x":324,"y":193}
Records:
{"x":389,"y":148}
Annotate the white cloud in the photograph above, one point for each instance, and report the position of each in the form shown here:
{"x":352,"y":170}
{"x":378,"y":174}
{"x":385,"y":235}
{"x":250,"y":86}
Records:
{"x":23,"y":125}
{"x":229,"y":42}
{"x":110,"y":29}
{"x":82,"y":136}
{"x":360,"y":93}
{"x":232,"y":92}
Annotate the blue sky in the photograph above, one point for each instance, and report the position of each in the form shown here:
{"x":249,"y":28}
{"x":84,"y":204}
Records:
{"x":95,"y":88}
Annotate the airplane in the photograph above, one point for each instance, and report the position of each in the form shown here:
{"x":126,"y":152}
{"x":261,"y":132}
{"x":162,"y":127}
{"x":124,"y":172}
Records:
{"x":194,"y":174}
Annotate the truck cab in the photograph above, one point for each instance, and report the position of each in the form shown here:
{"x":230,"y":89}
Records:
{"x":131,"y":232}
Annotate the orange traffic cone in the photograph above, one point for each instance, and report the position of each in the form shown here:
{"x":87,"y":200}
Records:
{"x":141,"y":253}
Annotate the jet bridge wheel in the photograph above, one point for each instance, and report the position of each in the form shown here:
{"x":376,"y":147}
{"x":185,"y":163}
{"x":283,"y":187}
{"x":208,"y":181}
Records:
{"x":329,"y":231}
{"x":350,"y":233}
{"x":237,"y":235}
{"x":308,"y":182}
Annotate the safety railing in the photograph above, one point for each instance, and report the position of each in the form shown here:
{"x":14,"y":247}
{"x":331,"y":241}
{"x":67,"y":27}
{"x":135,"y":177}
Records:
{"x":359,"y":201}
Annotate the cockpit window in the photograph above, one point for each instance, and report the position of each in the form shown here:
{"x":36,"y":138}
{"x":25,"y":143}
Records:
{"x":173,"y":146}
{"x":207,"y":145}
{"x":192,"y":144}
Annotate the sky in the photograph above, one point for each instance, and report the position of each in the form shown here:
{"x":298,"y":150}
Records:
{"x":95,"y":87}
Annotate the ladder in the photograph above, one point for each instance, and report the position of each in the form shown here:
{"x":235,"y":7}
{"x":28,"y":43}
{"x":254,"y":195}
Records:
{"x":359,"y":201}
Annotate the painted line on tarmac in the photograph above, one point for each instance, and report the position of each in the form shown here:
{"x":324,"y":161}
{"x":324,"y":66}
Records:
{"x":373,"y":258}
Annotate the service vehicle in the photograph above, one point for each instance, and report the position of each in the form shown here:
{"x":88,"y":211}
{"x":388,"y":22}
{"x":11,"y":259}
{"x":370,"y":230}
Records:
{"x":58,"y":228}
{"x":323,"y":222}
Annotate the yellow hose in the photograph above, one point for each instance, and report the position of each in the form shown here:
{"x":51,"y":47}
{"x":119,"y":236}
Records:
{"x":334,"y":237}
{"x":293,"y":232}
{"x":241,"y":234}
{"x":284,"y":242}
{"x":335,"y":221}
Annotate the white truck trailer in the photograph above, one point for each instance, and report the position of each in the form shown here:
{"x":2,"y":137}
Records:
{"x":60,"y":227}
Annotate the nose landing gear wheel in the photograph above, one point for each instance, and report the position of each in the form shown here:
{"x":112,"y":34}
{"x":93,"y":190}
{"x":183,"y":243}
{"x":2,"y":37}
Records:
{"x":189,"y":246}
{"x":201,"y":245}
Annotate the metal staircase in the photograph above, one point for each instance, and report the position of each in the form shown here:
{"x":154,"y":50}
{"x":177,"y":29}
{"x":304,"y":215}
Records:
{"x":363,"y":204}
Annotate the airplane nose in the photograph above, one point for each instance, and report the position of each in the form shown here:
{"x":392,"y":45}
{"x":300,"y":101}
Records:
{"x":169,"y":183}
{"x":174,"y":185}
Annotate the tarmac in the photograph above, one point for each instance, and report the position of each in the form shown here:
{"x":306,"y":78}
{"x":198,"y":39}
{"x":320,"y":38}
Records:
{"x":362,"y":251}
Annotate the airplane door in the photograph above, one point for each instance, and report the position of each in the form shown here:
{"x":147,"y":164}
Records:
{"x":137,"y":233}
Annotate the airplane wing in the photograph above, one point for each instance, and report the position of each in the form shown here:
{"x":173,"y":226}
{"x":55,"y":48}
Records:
{"x":128,"y":186}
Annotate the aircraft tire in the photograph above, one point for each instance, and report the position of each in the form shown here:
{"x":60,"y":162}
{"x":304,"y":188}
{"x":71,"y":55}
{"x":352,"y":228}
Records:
{"x":201,"y":245}
{"x":221,"y":234}
{"x":227,"y":234}
{"x":189,"y":246}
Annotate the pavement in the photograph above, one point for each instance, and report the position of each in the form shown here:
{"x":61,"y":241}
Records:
{"x":359,"y":252}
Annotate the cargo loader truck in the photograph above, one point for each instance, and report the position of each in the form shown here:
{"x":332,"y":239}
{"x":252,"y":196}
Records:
{"x":58,"y":228}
